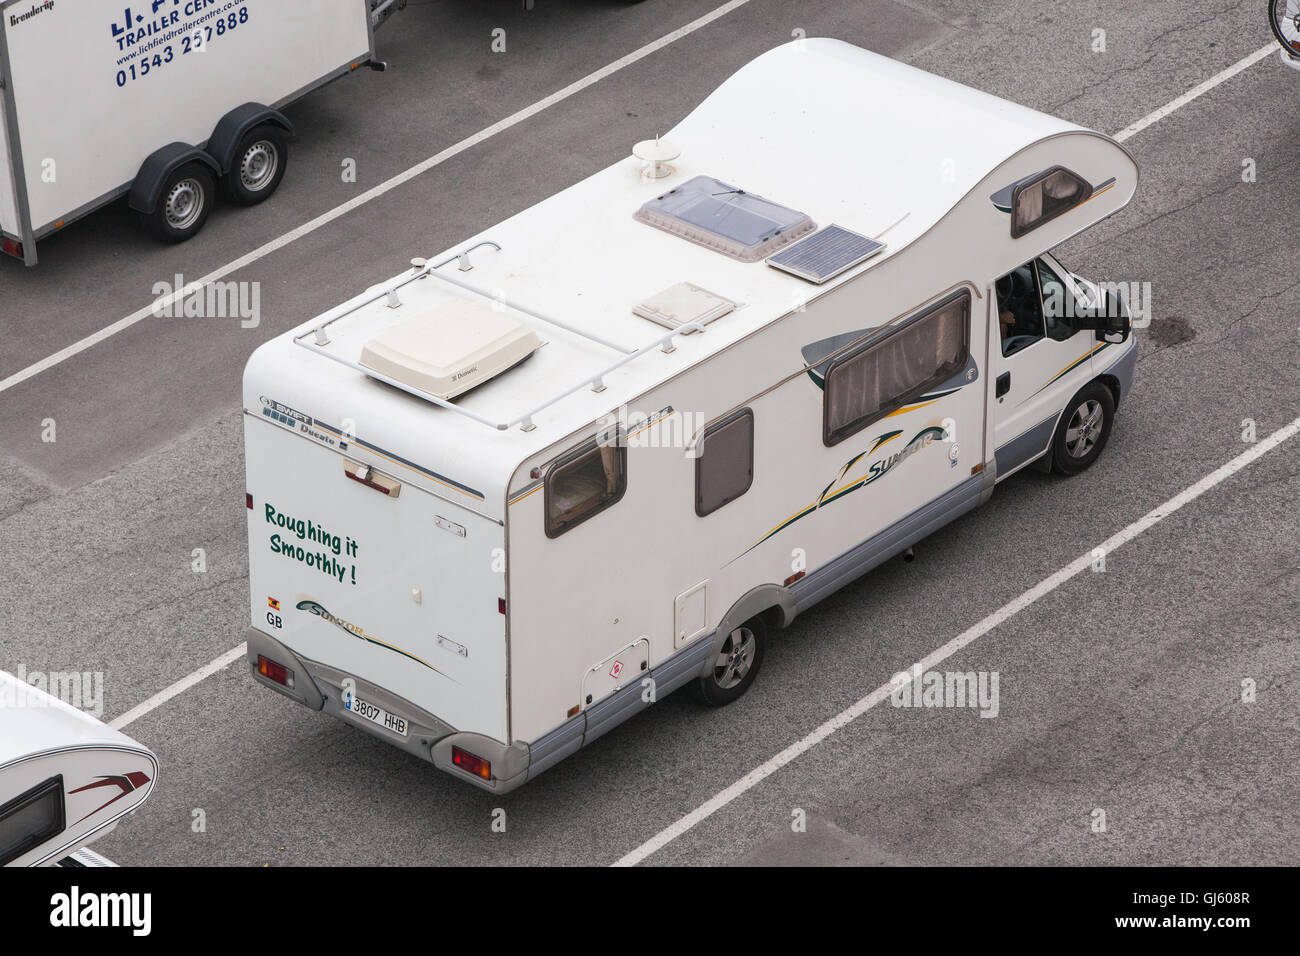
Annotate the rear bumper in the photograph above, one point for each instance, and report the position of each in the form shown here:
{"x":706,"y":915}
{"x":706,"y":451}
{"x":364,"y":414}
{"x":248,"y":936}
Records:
{"x":320,"y":687}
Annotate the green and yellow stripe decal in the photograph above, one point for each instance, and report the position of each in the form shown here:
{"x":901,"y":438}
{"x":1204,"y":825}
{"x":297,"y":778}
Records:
{"x":1071,"y":367}
{"x":877,"y":470}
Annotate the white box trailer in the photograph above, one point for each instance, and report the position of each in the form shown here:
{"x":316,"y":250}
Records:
{"x":159,"y":100}
{"x":66,"y":779}
{"x":603,"y":449}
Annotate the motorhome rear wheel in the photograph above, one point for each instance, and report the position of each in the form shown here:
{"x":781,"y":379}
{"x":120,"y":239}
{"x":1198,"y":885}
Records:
{"x":736,"y":664}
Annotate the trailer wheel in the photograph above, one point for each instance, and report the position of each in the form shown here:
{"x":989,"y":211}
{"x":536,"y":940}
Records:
{"x":736,"y":665}
{"x":184,"y":204}
{"x":258,"y":165}
{"x":1084,"y":429}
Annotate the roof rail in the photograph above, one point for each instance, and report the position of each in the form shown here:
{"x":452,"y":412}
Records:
{"x":422,"y":270}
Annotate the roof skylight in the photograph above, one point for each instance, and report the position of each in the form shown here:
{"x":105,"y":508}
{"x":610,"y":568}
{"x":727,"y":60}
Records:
{"x":726,"y":219}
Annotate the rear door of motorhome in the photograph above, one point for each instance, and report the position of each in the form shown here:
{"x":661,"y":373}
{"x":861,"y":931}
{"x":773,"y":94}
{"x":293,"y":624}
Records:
{"x":1038,"y":359}
{"x":372,"y":575}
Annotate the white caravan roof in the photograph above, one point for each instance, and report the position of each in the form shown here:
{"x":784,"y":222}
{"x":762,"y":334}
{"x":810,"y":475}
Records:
{"x":825,"y":128}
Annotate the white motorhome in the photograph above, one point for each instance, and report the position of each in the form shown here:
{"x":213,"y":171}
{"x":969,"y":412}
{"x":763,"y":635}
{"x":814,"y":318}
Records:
{"x":607,"y":447}
{"x":162,"y":101}
{"x":65,"y":778}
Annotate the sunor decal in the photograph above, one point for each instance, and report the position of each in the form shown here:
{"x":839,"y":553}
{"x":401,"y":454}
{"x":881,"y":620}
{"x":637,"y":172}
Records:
{"x":357,"y":631}
{"x":844,"y":484}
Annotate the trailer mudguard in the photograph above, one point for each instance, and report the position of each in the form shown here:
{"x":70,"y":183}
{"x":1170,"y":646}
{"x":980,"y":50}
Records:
{"x":146,"y":189}
{"x":232,"y":127}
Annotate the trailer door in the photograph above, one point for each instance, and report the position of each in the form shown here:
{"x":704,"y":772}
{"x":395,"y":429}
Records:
{"x":9,"y":223}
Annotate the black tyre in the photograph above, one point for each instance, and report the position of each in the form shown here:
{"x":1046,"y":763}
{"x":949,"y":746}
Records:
{"x":736,"y":665}
{"x":258,"y":166}
{"x":1084,"y":429}
{"x":1284,"y":18}
{"x":184,"y":204}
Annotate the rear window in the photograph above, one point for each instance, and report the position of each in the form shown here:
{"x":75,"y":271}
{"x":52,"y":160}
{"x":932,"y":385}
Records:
{"x":583,"y":483}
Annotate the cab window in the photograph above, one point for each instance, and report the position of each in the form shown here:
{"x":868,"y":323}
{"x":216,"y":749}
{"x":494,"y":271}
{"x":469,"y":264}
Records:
{"x":1020,"y":309}
{"x":1058,"y":303}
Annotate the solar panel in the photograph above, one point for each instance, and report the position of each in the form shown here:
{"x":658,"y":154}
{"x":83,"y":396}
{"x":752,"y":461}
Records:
{"x":825,"y":254}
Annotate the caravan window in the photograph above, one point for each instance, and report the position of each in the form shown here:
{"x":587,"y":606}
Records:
{"x":31,"y":818}
{"x":884,"y":375}
{"x":1043,"y":197}
{"x":724,"y":468}
{"x":586,"y":481}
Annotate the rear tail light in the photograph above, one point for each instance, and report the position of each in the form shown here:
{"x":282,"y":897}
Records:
{"x":248,"y":499}
{"x":273,"y":671}
{"x":475,"y":765}
{"x":12,"y":247}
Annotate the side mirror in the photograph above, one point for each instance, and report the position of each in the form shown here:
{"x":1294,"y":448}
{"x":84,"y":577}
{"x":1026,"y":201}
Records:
{"x":1110,"y":318}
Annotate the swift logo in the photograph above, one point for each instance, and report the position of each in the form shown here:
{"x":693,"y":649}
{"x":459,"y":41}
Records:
{"x":127,"y":783}
{"x":131,"y":910}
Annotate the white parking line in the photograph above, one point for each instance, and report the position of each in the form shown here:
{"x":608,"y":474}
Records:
{"x":1200,"y":89}
{"x":261,"y":252}
{"x":180,"y":687}
{"x":969,"y":636}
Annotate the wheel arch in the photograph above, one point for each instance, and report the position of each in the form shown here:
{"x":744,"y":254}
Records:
{"x":146,"y":188}
{"x":232,"y":127}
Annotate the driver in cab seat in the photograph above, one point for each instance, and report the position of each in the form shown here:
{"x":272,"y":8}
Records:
{"x":1019,"y":311}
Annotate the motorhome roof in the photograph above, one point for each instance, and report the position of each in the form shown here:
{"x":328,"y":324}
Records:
{"x":847,"y":136}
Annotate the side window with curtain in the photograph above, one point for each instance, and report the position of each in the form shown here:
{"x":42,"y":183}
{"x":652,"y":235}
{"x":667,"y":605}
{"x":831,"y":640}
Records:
{"x":585,"y":482}
{"x":883,"y":375}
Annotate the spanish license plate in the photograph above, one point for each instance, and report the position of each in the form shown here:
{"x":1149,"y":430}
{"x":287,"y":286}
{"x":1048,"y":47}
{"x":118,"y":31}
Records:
{"x":377,"y":715}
